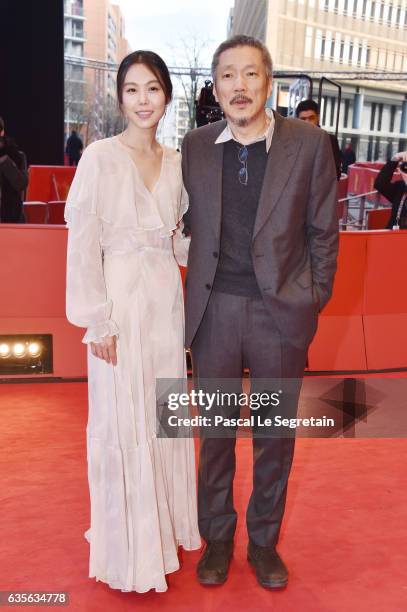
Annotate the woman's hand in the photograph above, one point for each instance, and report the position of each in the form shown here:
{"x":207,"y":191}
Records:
{"x":401,"y":156}
{"x":105,"y":349}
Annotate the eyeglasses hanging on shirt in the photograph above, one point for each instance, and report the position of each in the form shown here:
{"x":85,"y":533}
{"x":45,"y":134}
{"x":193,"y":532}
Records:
{"x":243,"y":173}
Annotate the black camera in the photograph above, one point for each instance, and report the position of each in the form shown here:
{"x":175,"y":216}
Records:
{"x":403,"y":166}
{"x":207,"y":109}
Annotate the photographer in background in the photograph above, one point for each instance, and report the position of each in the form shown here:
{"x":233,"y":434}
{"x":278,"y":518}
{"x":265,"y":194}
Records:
{"x":74,"y":148}
{"x":13,"y":180}
{"x":308,"y":110}
{"x":395,"y":192}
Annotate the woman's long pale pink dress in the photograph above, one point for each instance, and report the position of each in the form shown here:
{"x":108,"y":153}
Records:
{"x":124,"y":246}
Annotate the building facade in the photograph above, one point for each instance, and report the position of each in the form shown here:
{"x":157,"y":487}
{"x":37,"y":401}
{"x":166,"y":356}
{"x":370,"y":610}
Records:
{"x":94,"y":32}
{"x":340,"y":36}
{"x":175,"y":123}
{"x":74,"y":41}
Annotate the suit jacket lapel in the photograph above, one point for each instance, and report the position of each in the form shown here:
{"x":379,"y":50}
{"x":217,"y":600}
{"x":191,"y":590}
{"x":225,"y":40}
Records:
{"x":281,"y":159}
{"x":212,"y":170}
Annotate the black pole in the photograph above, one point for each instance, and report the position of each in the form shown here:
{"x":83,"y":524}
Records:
{"x":32,"y":77}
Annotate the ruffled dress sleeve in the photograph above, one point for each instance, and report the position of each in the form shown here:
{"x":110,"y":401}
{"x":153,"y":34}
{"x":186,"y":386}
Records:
{"x":87,"y":304}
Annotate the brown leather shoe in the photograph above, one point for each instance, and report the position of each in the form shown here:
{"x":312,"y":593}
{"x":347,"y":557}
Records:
{"x":213,"y":566}
{"x":271,"y":573}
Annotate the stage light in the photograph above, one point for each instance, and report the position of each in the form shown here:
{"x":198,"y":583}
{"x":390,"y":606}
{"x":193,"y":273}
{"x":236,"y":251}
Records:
{"x":34,"y":349}
{"x":19,"y":349}
{"x":4,"y":350}
{"x":25,"y":354}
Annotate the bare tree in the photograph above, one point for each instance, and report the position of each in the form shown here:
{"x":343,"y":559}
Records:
{"x":190,"y":54}
{"x":76,"y":112}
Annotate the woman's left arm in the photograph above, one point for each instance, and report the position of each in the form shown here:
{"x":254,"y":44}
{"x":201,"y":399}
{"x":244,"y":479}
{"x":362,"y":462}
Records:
{"x":181,"y":245}
{"x":181,"y":242}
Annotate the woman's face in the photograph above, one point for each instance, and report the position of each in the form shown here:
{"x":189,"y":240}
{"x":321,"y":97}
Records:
{"x":143,"y":97}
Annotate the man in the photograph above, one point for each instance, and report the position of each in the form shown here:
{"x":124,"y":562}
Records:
{"x":13,"y":179}
{"x":74,"y":147}
{"x":261,"y":264}
{"x":395,"y":192}
{"x":348,"y":157}
{"x":308,"y":110}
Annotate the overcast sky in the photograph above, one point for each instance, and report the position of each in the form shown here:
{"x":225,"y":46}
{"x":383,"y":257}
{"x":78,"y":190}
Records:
{"x":160,"y":24}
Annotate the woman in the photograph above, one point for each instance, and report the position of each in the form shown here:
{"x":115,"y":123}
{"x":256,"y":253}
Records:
{"x":395,"y":192}
{"x":124,"y":214}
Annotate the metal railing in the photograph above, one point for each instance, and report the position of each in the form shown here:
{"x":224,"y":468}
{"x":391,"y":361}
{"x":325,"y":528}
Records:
{"x":355,"y":209}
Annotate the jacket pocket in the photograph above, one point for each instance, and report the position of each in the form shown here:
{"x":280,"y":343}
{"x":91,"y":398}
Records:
{"x":304,"y":280}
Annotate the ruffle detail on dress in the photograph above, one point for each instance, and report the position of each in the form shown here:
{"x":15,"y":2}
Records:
{"x":141,"y":511}
{"x":96,"y":333}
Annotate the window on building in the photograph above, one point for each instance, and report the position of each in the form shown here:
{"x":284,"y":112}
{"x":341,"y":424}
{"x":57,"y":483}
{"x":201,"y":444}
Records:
{"x":324,"y":109}
{"x":372,"y":10}
{"x":341,"y":51}
{"x":346,"y":7}
{"x":393,"y":111}
{"x":323,"y":47}
{"x":350,"y":52}
{"x":368,"y":56}
{"x":373,"y":116}
{"x":360,"y":51}
{"x":380,"y":117}
{"x":346,"y":114}
{"x":77,"y":29}
{"x":355,"y":8}
{"x":332,"y":55}
{"x":381,"y":11}
{"x":332,"y":116}
{"x":376,"y":154}
{"x":398,"y":16}
{"x":369,"y":149}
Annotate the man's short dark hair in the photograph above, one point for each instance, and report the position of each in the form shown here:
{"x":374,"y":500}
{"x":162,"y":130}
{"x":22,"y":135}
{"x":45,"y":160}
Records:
{"x":307,"y":105}
{"x":240,"y":40}
{"x":1,"y":124}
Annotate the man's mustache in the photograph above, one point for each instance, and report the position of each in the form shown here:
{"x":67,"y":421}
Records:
{"x":240,"y":98}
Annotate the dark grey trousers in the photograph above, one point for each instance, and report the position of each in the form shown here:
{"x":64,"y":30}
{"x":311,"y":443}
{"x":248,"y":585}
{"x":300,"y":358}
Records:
{"x":236,"y":333}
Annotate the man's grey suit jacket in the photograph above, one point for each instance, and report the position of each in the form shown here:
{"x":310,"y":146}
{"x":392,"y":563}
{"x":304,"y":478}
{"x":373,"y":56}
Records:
{"x":295,"y":238}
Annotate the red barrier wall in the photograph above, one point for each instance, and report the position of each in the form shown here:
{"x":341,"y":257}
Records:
{"x":364,"y":326}
{"x":32,"y":280}
{"x":46,"y":183}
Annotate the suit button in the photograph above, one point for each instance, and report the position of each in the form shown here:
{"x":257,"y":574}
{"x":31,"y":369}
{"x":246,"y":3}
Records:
{"x":215,"y":254}
{"x":208,"y":286}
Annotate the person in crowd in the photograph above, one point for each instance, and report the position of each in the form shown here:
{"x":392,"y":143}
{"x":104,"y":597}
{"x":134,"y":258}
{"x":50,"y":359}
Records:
{"x":124,"y":213}
{"x":308,"y":110}
{"x":13,"y":179}
{"x":74,"y":148}
{"x":264,"y":237}
{"x":348,"y":157}
{"x":395,"y":192}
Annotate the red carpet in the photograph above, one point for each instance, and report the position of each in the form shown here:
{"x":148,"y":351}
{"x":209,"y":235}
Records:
{"x":344,"y":537}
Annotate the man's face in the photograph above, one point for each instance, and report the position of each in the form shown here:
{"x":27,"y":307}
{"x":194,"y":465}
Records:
{"x":241,"y":84}
{"x":309,"y":116}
